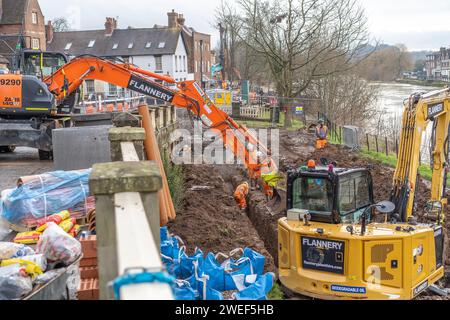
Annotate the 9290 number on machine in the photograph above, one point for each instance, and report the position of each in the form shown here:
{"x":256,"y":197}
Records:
{"x":10,"y":91}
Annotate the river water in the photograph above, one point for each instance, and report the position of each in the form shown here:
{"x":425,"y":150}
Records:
{"x":392,"y":95}
{"x":390,"y":103}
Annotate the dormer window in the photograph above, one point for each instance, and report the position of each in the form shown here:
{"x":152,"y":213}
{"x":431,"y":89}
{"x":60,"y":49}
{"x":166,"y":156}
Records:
{"x":115,"y":46}
{"x":130,"y":46}
{"x":161,"y":45}
{"x":148,"y":45}
{"x":68,"y":46}
{"x":91,"y":43}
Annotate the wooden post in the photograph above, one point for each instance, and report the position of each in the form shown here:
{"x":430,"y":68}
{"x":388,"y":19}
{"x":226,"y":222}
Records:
{"x":340,"y":134}
{"x":387,"y":146}
{"x":396,"y":146}
{"x":376,"y":143}
{"x":367,"y":139}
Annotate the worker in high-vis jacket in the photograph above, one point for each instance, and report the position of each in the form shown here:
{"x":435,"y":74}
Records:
{"x":240,"y":195}
{"x":321,"y":135}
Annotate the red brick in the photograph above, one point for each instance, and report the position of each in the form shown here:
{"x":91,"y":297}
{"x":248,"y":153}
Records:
{"x":89,"y":247}
{"x":89,"y":272}
{"x":85,"y":291}
{"x":90,"y":262}
{"x":96,"y":290}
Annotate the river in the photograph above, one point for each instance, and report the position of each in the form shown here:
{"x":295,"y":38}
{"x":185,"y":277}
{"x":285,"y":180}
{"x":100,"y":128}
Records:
{"x":390,"y":103}
{"x":392,"y":95}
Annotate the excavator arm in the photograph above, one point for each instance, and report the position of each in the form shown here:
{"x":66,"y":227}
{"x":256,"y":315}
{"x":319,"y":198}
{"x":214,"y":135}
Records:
{"x":188,"y":95}
{"x":419,"y":111}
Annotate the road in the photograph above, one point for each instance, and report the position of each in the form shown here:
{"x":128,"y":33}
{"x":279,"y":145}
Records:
{"x":23,"y":162}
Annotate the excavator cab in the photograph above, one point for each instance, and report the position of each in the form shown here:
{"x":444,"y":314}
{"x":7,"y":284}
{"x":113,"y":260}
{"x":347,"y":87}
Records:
{"x":40,"y":63}
{"x":330,"y":195}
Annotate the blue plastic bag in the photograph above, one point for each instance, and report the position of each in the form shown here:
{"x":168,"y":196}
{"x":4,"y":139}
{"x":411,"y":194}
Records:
{"x":258,"y":290}
{"x":182,"y":290}
{"x":235,"y":273}
{"x":258,"y":260}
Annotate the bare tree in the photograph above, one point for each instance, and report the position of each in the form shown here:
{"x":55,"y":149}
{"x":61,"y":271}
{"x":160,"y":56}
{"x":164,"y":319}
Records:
{"x":386,"y":64}
{"x":61,"y":24}
{"x":303,"y":40}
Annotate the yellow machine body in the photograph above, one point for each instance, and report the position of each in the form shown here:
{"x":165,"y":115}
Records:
{"x":384,"y":264}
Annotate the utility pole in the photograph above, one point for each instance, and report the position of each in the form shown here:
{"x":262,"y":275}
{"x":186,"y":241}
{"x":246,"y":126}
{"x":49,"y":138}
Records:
{"x":201,"y":64}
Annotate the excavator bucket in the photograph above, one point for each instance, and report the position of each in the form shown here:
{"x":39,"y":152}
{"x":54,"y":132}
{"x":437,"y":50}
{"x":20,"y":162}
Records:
{"x":278,"y":182}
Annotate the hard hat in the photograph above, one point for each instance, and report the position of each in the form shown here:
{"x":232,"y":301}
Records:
{"x":311,"y":164}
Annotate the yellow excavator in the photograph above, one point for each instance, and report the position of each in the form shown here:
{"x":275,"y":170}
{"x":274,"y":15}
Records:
{"x":336,"y":243}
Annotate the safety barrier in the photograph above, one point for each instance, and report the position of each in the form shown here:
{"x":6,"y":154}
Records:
{"x":127,"y":217}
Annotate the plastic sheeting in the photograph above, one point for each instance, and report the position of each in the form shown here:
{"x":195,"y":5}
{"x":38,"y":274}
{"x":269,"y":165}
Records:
{"x":207,"y":277}
{"x":39,"y":196}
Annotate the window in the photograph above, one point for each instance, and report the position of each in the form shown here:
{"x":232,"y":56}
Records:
{"x":148,"y":45}
{"x":161,"y":45}
{"x":158,"y":63}
{"x":176,"y":63}
{"x":34,"y":17}
{"x":115,"y":46}
{"x":181,"y":63}
{"x":314,"y":195}
{"x":112,"y":90}
{"x":68,"y":46}
{"x":35,"y":44}
{"x":131,"y":45}
{"x":196,"y":66}
{"x":90,"y":86}
{"x":184,"y":63}
{"x":91,"y":43}
{"x":354,"y":197}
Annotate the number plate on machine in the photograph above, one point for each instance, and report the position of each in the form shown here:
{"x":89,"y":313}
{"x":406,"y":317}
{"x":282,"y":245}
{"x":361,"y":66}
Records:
{"x":10,"y":91}
{"x":323,"y":254}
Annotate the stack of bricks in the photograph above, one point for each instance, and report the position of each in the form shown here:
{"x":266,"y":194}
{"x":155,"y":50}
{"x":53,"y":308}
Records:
{"x":89,"y":287}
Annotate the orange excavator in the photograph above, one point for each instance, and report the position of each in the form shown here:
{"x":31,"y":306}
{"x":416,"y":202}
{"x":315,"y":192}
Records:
{"x":26,"y":97}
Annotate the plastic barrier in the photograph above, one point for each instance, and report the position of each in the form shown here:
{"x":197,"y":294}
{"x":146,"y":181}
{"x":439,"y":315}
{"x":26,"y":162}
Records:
{"x":206,"y":278}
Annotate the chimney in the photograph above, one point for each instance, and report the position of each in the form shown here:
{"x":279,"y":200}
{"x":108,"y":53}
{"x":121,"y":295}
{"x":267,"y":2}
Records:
{"x":181,"y":20}
{"x":173,"y":19}
{"x":110,"y":26}
{"x":49,"y":31}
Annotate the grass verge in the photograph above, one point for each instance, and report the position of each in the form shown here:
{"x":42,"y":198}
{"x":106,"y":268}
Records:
{"x":175,"y":179}
{"x":276,"y":293}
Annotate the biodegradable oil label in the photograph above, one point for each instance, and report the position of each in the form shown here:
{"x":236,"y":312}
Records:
{"x":323,"y":255}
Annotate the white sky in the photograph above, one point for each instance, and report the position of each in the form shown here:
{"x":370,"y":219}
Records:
{"x":420,"y":24}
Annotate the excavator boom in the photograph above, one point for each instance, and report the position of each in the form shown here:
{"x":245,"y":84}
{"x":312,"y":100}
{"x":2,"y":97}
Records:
{"x":188,"y":95}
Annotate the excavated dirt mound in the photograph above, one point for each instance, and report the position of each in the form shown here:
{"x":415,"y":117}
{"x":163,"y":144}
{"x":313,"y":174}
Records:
{"x":210,"y":218}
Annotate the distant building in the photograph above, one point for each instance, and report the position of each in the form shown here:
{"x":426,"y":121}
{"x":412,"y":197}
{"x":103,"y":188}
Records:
{"x":160,"y":49}
{"x":22,"y":25}
{"x":198,"y":47}
{"x":438,"y":65}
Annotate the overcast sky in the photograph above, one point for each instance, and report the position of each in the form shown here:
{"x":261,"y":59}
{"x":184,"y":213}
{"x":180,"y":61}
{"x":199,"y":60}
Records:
{"x":417,"y":23}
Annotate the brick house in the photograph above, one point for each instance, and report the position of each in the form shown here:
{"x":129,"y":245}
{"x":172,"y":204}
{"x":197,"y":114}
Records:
{"x":21,"y":22}
{"x":437,"y":65}
{"x":198,"y":46}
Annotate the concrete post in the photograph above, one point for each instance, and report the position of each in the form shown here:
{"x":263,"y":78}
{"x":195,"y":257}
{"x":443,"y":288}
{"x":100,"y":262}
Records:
{"x":126,"y":134}
{"x":106,"y":181}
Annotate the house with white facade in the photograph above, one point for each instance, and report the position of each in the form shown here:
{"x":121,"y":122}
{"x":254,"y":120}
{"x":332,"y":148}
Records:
{"x":160,"y":50}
